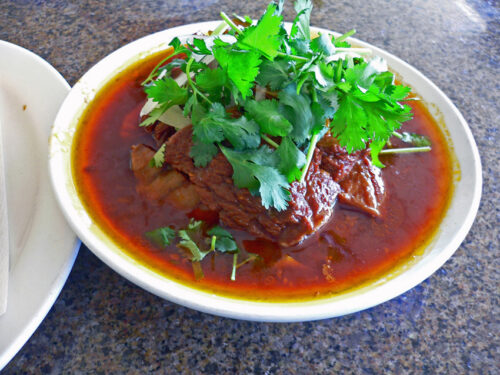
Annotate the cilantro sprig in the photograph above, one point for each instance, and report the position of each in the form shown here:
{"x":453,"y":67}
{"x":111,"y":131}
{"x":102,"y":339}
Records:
{"x":312,"y":85}
{"x":198,"y":242}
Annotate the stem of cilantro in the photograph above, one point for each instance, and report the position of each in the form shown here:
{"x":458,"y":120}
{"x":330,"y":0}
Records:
{"x":397,"y":135}
{"x":345,"y":36}
{"x":406,"y":150}
{"x":312,"y":145}
{"x":249,"y":259}
{"x":301,"y":82}
{"x":338,"y":73}
{"x":314,"y":94}
{"x":197,"y":270}
{"x":191,"y":83}
{"x":309,"y":156}
{"x":155,"y":69}
{"x":220,"y":29}
{"x":293,"y":57}
{"x":212,"y":244}
{"x":269,"y":140}
{"x":230,"y":22}
{"x":235,"y":261}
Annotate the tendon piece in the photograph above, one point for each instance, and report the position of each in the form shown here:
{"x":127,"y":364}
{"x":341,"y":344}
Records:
{"x":310,"y":206}
{"x":158,"y":184}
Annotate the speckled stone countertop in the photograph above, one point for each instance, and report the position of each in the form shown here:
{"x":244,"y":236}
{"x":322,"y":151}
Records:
{"x":101,"y":323}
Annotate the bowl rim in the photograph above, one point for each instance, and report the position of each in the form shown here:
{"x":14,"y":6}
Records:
{"x":350,"y":301}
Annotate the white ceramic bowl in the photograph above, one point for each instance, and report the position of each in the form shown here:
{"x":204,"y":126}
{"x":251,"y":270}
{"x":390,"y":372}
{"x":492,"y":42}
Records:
{"x":451,"y":232}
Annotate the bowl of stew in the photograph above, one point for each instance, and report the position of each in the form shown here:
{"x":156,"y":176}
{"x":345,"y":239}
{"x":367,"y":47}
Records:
{"x":99,"y":160}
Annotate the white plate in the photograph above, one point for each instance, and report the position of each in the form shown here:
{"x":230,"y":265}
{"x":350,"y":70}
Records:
{"x":42,"y":246}
{"x":450,"y":234}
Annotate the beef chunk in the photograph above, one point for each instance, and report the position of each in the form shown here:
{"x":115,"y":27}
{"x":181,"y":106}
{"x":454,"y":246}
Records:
{"x":159,"y":131}
{"x":311,"y":203}
{"x":161,"y":185}
{"x":335,"y":158}
{"x":361,"y":182}
{"x":364,"y":188}
{"x":332,"y":173}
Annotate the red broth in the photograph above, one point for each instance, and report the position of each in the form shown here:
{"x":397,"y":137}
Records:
{"x":349,"y":250}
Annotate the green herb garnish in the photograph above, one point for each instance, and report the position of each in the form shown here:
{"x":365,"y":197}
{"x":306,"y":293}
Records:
{"x":311,"y":86}
{"x":161,"y":236}
{"x":198,"y":243}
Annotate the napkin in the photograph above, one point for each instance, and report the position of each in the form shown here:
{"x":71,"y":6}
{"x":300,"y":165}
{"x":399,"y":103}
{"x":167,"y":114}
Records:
{"x":4,"y":234}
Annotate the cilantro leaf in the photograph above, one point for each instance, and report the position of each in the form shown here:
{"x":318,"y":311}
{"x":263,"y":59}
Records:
{"x":266,"y":114}
{"x":263,"y":37}
{"x":217,"y":125}
{"x":323,"y":44}
{"x":241,"y":132}
{"x":210,"y":79}
{"x":200,"y":47}
{"x":323,"y":73}
{"x":377,"y":128}
{"x":202,"y":153}
{"x":243,"y":175}
{"x":242,"y":69}
{"x":208,"y":129}
{"x":198,"y":110}
{"x":189,"y":244}
{"x":221,"y":54}
{"x":348,"y":124}
{"x":319,"y":117}
{"x":158,"y":157}
{"x":166,"y":91}
{"x":264,"y":156}
{"x":299,"y":46}
{"x":192,"y":239}
{"x":273,"y":74}
{"x":271,"y":184}
{"x":161,"y":236}
{"x":300,"y":26}
{"x":383,"y":80}
{"x":241,"y":66}
{"x":273,"y":187}
{"x":375,"y":148}
{"x":329,"y":102}
{"x":397,"y":92}
{"x":224,"y":241}
{"x":366,"y":111}
{"x":188,"y":106}
{"x":297,"y":109}
{"x":291,"y":159}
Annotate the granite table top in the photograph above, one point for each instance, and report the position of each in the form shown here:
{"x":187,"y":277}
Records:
{"x":101,"y":323}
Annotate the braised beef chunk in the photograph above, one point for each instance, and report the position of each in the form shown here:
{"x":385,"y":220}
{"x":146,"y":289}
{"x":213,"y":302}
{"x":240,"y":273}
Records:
{"x":332,"y":174}
{"x":360,"y":181}
{"x":311,"y":204}
{"x":364,"y":187}
{"x":335,"y":159}
{"x":160,"y":131}
{"x":160,"y":185}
